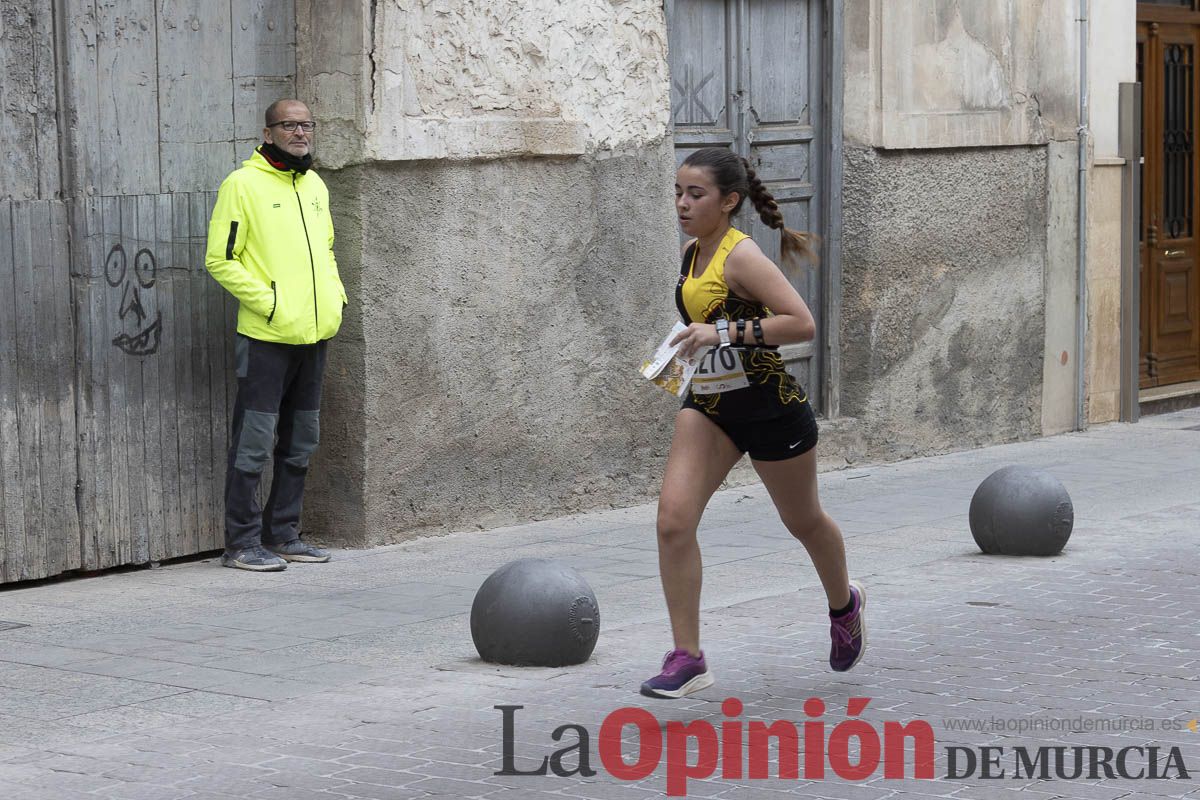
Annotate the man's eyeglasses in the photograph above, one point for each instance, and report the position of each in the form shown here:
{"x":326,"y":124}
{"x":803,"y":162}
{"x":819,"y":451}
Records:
{"x":291,"y":125}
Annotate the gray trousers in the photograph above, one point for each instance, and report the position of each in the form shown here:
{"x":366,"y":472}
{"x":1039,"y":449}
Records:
{"x":278,"y":411}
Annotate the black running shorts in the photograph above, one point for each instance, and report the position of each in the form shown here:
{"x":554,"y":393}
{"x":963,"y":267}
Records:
{"x":773,"y":439}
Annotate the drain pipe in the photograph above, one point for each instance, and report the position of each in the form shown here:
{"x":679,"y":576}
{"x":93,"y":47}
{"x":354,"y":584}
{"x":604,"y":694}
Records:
{"x":1081,"y":234}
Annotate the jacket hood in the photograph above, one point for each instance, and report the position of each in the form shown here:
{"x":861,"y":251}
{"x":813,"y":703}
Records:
{"x":258,"y":161}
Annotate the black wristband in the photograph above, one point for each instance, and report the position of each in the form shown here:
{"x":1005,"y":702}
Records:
{"x":758,"y":334}
{"x":741,"y":332}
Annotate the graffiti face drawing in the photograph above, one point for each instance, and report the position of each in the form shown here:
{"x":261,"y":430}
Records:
{"x":145,"y":338}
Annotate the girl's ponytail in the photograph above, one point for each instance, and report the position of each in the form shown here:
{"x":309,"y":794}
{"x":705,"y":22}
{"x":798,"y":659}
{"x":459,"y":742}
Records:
{"x":796,"y":247}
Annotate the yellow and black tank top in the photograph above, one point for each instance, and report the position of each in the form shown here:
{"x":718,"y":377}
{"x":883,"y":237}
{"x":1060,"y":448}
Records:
{"x":707,"y":298}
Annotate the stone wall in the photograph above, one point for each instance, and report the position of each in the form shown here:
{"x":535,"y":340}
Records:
{"x":506,"y":231}
{"x":944,"y":101}
{"x":501,"y":172}
{"x":942,"y":296}
{"x":402,"y":80}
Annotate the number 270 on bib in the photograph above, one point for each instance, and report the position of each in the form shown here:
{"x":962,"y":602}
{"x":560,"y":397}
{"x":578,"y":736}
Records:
{"x":719,"y":369}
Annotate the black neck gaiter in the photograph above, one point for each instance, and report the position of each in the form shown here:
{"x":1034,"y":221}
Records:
{"x":281,"y":159}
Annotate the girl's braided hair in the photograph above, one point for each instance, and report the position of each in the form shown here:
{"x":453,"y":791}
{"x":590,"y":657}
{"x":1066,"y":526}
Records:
{"x":732,"y":173}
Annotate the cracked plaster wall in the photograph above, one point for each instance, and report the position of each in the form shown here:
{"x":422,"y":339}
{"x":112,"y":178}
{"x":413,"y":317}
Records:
{"x":499,"y":312}
{"x":931,"y":84}
{"x":943,"y":297}
{"x":953,"y":109}
{"x":960,"y":73}
{"x":417,"y":79}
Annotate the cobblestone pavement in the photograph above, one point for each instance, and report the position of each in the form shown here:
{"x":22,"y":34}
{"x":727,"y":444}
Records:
{"x":358,"y":679}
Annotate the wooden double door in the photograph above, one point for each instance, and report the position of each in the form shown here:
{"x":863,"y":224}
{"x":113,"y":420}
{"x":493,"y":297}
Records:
{"x":1167,"y":49}
{"x":749,"y":75}
{"x":116,"y":347}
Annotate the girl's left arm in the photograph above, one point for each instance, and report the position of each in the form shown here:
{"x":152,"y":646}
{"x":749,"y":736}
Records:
{"x":753,"y":276}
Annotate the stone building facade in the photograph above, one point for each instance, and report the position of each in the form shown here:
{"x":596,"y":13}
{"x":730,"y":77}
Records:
{"x":508,"y":165}
{"x":501,"y":179}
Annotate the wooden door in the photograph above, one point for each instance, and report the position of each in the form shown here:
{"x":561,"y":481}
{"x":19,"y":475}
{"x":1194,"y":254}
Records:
{"x":746,"y":74}
{"x":1170,"y":277}
{"x":116,"y":379}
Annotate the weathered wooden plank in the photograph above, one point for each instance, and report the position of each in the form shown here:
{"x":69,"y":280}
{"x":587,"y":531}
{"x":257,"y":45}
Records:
{"x":117,"y":269}
{"x":135,"y":395}
{"x":44,"y":402}
{"x":95,"y":474}
{"x":213,"y":350}
{"x":209,"y":324}
{"x":82,"y":87}
{"x":264,"y":65}
{"x":18,"y":91}
{"x":63,"y":538}
{"x":31,"y":558}
{"x":778,"y":80}
{"x":107,"y":266}
{"x":12,"y":534}
{"x":699,"y":74}
{"x":128,"y":95}
{"x":146,"y":275}
{"x":167,"y":281}
{"x":29,"y":126}
{"x":264,"y":38}
{"x":199,"y":456}
{"x":194,"y":93}
{"x":183,"y":280}
{"x":107,"y":482}
{"x":45,"y":107}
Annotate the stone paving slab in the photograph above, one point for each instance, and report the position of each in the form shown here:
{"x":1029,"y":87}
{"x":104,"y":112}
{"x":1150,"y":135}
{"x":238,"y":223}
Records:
{"x":357,"y":679}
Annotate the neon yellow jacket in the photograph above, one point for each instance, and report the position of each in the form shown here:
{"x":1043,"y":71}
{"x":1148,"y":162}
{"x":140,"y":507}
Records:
{"x":270,"y":243}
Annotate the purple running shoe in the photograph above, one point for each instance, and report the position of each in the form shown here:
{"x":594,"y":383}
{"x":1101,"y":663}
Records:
{"x":682,"y":674}
{"x":849,"y":632}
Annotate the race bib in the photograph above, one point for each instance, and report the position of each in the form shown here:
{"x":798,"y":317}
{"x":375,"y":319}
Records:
{"x":719,"y":369}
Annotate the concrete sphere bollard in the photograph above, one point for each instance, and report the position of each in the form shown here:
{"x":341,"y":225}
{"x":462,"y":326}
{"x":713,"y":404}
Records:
{"x":1021,"y":511}
{"x":535,"y":612}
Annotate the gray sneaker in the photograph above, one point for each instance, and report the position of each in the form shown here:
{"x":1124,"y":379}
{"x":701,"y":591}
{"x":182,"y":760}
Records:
{"x":296,"y":550}
{"x":256,"y":559}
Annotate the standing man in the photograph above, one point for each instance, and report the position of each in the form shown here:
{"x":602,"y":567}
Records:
{"x":270,"y":244}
